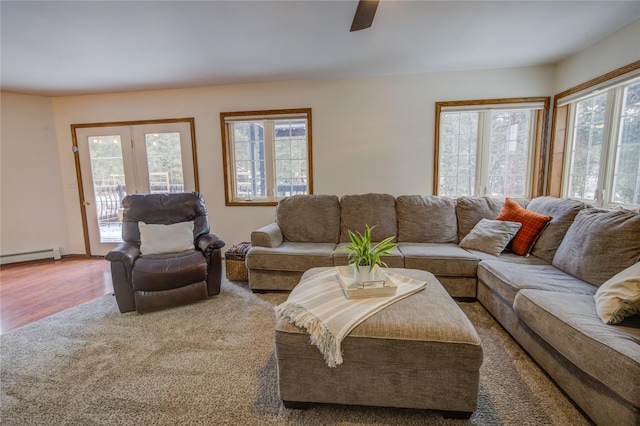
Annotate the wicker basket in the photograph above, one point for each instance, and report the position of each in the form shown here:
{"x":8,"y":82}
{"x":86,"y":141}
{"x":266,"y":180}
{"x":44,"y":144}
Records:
{"x":235,"y":268}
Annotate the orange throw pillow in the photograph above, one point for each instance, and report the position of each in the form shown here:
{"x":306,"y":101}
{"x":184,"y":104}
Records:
{"x":532,"y":225}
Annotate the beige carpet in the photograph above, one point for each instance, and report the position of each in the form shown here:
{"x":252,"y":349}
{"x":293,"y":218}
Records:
{"x":212,"y":363}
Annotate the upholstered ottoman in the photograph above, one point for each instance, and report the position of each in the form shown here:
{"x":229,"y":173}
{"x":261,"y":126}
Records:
{"x":420,"y":352}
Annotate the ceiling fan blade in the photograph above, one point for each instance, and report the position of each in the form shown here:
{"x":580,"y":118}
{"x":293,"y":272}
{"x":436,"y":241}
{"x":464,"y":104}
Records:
{"x":364,"y":14}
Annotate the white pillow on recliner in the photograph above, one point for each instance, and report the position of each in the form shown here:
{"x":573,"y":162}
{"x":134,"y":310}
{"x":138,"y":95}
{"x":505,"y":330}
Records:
{"x":159,"y":239}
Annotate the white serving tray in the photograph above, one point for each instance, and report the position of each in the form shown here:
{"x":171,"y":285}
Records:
{"x":382,"y":286}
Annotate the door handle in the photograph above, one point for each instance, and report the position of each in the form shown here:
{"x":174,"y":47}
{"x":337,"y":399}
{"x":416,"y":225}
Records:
{"x":86,"y":202}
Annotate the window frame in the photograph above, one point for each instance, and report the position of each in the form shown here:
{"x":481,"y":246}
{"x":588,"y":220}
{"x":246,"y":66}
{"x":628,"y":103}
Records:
{"x":563,"y":125}
{"x":535,"y":178}
{"x":228,"y":154}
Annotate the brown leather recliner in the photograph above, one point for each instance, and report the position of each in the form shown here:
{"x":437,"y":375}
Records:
{"x":156,"y":281}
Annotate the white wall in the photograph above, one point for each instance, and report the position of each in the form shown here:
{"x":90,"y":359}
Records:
{"x":32,"y":207}
{"x":615,"y":51}
{"x":369,"y":134}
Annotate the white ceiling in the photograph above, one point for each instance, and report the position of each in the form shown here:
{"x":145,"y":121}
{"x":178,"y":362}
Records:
{"x":56,"y":48}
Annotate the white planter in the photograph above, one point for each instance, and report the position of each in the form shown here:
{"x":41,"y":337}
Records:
{"x":364,"y":274}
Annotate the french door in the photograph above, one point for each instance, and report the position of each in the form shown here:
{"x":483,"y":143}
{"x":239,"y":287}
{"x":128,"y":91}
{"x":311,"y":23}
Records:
{"x":116,"y":159}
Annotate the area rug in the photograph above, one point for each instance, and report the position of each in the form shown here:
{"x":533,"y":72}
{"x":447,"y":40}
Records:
{"x":212,"y":363}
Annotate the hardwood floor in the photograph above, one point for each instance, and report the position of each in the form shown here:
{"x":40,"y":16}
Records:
{"x":33,"y":290}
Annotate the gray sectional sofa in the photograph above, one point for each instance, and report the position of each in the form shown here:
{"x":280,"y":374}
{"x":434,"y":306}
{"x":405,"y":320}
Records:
{"x":545,"y":300}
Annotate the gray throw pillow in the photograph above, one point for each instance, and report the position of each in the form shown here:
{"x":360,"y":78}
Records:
{"x":490,"y":236}
{"x":599,"y":244}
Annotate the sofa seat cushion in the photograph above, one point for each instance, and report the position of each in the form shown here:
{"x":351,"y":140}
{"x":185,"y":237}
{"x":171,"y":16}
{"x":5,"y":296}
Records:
{"x":507,"y":278}
{"x":569,"y":323}
{"x":395,"y":260}
{"x":291,"y":256}
{"x":507,"y":256}
{"x":439,"y":259}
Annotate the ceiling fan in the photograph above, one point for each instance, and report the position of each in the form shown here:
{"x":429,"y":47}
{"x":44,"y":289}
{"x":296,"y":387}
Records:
{"x":365,"y":12}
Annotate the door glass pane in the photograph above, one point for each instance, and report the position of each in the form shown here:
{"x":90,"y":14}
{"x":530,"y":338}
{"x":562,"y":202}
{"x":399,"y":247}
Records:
{"x":509,"y":153}
{"x":458,"y":152}
{"x":587,"y":146}
{"x":164,"y":160}
{"x":107,"y":170}
{"x":291,"y":157}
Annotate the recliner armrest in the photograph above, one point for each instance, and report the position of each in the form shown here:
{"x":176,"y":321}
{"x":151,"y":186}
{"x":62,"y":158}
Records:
{"x":208,"y":242}
{"x":267,"y":236}
{"x":126,"y":253}
{"x":210,"y":245}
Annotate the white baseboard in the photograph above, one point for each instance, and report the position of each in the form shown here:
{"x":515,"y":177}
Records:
{"x":52,"y":253}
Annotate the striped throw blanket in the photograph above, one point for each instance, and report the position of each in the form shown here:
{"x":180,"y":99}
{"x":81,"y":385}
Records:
{"x":318,"y":305}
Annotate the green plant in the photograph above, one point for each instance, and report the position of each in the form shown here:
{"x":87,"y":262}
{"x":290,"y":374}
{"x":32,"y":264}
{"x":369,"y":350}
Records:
{"x":361,"y":253}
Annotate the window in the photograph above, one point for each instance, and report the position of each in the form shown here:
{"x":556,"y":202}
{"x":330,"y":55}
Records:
{"x":267,"y":155}
{"x":603,"y":145}
{"x":489,"y":147}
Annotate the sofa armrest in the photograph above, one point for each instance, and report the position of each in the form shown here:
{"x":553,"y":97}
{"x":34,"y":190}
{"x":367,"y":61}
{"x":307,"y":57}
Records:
{"x":267,"y":236}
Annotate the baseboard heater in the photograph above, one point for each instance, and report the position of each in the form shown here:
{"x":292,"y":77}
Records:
{"x":52,"y":253}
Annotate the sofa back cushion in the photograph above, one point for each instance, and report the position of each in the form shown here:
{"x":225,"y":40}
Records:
{"x":599,"y":244}
{"x":429,"y":219}
{"x":357,"y":211}
{"x":470,"y":210}
{"x":563,"y":212}
{"x":309,"y":218}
